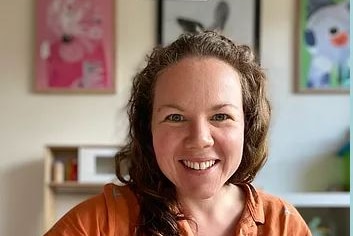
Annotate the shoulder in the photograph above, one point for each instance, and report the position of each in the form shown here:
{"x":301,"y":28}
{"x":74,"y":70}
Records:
{"x":275,"y":205}
{"x":273,"y":202}
{"x":99,"y":214}
{"x":279,"y":210}
{"x":274,"y":215}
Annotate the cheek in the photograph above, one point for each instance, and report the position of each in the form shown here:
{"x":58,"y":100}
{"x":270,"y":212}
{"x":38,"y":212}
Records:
{"x":165,"y":138}
{"x":163,"y":145}
{"x":233,"y":143}
{"x":158,"y":145}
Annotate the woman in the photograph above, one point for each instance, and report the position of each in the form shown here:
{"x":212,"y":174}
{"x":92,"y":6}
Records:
{"x":199,"y":119}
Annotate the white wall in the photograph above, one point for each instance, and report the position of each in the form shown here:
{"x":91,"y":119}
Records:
{"x":28,"y":120}
{"x":306,"y":128}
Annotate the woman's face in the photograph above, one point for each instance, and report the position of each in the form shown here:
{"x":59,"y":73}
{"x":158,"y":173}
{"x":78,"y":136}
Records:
{"x":198,"y":125}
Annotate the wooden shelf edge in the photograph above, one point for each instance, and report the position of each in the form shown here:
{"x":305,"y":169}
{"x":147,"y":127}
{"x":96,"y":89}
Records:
{"x":76,"y":187}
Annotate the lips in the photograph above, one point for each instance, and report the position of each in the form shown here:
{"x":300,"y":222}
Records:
{"x":199,"y":165}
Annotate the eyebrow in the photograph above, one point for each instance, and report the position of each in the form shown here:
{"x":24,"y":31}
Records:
{"x":173,"y":106}
{"x":220,"y":106}
{"x":216,"y":107}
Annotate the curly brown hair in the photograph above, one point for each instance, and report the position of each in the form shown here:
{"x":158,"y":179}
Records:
{"x":159,"y":208}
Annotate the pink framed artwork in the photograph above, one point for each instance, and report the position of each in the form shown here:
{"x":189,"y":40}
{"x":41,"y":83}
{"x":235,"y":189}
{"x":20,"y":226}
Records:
{"x":74,"y":46}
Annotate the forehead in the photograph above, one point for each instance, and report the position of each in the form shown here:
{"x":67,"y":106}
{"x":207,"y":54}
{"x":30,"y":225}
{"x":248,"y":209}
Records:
{"x":198,"y":78}
{"x":202,"y":67}
{"x":197,"y":64}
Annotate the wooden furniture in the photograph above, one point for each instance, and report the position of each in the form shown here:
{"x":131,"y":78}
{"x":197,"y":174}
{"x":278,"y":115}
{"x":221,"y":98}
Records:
{"x":71,"y":189}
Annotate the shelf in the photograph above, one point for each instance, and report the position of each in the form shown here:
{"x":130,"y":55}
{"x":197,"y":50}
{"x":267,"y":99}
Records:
{"x":318,"y":199}
{"x":75,"y":187}
{"x":63,"y":195}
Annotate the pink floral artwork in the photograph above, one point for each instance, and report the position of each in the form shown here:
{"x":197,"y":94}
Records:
{"x":74,"y":45}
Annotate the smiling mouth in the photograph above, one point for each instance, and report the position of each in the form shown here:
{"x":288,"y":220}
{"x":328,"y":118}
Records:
{"x":199,"y":165}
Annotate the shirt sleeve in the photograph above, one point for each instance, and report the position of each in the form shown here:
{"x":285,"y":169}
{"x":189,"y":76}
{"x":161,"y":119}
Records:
{"x":292,"y":222}
{"x":87,"y":218}
{"x":281,"y":218}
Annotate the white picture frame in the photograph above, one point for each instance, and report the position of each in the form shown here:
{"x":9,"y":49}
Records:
{"x":241,"y":19}
{"x":96,"y":164}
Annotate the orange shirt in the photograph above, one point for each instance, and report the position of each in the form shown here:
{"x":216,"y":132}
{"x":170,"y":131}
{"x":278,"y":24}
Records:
{"x":115,"y":211}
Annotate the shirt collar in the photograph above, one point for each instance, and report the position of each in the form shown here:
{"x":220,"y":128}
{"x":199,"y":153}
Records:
{"x":254,"y":204}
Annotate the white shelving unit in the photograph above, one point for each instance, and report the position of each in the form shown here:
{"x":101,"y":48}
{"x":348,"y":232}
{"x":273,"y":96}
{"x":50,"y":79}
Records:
{"x":332,"y":208}
{"x":59,"y":197}
{"x":318,"y":199}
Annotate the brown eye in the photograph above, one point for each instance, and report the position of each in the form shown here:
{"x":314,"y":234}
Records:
{"x":220,"y":117}
{"x":175,"y":118}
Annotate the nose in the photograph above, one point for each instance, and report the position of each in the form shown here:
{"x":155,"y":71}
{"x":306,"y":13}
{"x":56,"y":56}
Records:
{"x":199,"y":135}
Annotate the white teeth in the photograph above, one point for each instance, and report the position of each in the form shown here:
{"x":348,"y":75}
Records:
{"x":199,"y":165}
{"x":196,"y":166}
{"x":202,"y":165}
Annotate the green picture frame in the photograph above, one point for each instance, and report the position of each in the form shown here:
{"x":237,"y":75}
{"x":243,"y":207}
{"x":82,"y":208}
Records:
{"x":322,"y":47}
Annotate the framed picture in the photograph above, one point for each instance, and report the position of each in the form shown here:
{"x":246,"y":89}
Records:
{"x":96,"y":164}
{"x":74,"y":49}
{"x":237,"y":19}
{"x":322,"y":47}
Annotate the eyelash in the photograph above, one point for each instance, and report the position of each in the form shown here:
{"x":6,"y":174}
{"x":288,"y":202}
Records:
{"x":171,"y":118}
{"x":220,"y":115}
{"x":216,"y":117}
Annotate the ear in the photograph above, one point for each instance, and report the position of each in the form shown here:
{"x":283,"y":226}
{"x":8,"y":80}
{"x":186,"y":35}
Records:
{"x":191,"y":26}
{"x":309,"y":38}
{"x":315,"y":5}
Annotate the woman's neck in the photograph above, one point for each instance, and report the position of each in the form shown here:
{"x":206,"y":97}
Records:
{"x":219,"y":213}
